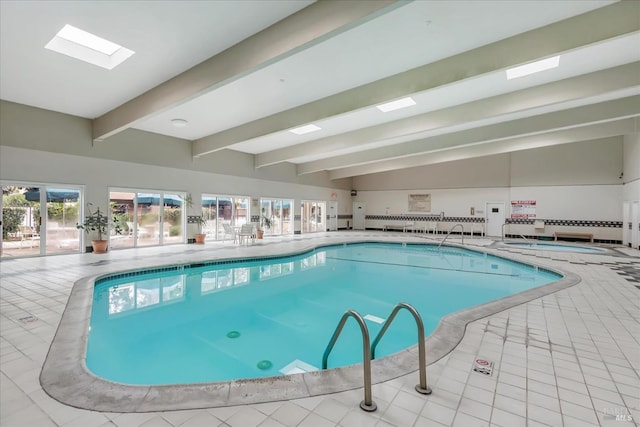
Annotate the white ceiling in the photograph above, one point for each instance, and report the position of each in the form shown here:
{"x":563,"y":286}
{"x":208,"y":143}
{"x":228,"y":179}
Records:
{"x":330,"y":64}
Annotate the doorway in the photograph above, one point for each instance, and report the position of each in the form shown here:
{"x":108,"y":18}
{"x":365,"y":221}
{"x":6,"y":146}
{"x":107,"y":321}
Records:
{"x":313,"y":219}
{"x":495,"y":217}
{"x":333,"y":216}
{"x":40,"y":220}
{"x":359,"y":214}
{"x":635,"y":225}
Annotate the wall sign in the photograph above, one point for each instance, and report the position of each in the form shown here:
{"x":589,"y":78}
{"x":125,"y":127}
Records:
{"x":419,"y":202}
{"x":523,"y":209}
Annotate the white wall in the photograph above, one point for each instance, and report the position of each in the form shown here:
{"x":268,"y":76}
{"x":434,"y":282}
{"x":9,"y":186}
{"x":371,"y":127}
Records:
{"x":481,"y":172}
{"x":631,"y":167}
{"x":579,"y":181}
{"x":578,"y":202}
{"x":37,"y":129}
{"x":631,"y":190}
{"x":589,"y":162}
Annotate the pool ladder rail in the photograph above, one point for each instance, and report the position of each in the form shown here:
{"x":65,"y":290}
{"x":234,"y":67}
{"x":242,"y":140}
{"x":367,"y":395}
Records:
{"x":451,"y":231}
{"x":369,"y":351}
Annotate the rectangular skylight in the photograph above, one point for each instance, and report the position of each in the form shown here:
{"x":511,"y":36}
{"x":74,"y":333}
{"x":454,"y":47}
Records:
{"x":533,"y":67}
{"x":79,"y":44}
{"x":396,"y":105}
{"x":304,"y":129}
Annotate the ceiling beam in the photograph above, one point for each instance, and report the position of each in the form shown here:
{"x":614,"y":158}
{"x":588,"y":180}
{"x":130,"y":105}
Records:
{"x":543,"y":123}
{"x":302,"y":30}
{"x":564,"y":136}
{"x":584,"y":86}
{"x":592,"y":27}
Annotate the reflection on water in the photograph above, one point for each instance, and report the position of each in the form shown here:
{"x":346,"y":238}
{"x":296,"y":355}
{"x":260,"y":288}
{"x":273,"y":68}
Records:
{"x":150,"y":293}
{"x":145,"y":293}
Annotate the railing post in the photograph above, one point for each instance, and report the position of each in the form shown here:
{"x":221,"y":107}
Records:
{"x":422,"y":387}
{"x":367,"y":404}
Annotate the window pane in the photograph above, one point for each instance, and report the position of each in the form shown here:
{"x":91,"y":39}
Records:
{"x":21,"y":221}
{"x":122,"y":212}
{"x":62,"y":216}
{"x":172,"y":219}
{"x":148,"y":219}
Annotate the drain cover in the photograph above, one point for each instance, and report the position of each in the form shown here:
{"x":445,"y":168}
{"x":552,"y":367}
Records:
{"x":28,"y":319}
{"x":483,"y":366}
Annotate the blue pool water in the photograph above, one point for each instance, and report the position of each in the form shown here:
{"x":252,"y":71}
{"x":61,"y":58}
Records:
{"x":559,"y":248}
{"x":262,"y":318}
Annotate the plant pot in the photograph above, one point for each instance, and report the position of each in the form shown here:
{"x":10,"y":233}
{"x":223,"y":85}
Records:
{"x":200,"y":238}
{"x":260,"y":234}
{"x":100,"y":246}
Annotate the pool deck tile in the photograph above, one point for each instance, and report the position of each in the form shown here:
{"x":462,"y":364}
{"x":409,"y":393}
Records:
{"x":568,"y":358}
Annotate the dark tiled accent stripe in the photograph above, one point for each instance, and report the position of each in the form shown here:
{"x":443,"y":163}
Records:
{"x":567,"y":222}
{"x":424,"y":218}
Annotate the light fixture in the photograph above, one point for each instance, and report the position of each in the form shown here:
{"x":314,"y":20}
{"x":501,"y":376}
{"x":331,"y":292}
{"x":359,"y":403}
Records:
{"x":304,"y":129}
{"x":87,"y":47}
{"x":396,"y":105}
{"x":533,"y":67}
{"x":179,"y":123}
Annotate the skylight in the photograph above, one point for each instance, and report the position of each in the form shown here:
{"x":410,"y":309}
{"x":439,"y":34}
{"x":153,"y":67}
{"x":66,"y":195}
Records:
{"x":396,"y":105}
{"x":304,"y":129}
{"x":87,"y":47}
{"x":533,"y":67}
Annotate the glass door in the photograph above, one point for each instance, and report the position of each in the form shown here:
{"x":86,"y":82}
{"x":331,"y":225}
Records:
{"x":123,"y":211}
{"x":63,"y":206}
{"x":39,"y":220}
{"x":223,"y":214}
{"x":147,"y":219}
{"x":279,"y":213}
{"x":313,"y":218}
{"x":172,"y":219}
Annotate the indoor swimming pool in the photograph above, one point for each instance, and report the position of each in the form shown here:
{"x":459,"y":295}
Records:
{"x":221,"y":321}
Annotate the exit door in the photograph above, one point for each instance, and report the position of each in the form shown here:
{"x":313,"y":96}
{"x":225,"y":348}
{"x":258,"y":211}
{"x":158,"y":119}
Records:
{"x":359,"y":213}
{"x":333,"y":216}
{"x":494,"y":219}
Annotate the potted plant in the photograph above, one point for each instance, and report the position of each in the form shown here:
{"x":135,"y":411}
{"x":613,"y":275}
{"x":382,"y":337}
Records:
{"x":200,"y":236}
{"x":265,"y":222}
{"x":98,"y":222}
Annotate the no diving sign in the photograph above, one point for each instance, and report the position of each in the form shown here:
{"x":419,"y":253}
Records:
{"x":483,"y":366}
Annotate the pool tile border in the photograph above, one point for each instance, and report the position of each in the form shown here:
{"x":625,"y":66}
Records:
{"x":66,"y":378}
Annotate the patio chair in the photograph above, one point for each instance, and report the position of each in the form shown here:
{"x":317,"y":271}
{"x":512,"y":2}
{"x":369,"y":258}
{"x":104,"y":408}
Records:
{"x":229,"y":231}
{"x":28,"y":234}
{"x":246,"y":233}
{"x":432,"y":227}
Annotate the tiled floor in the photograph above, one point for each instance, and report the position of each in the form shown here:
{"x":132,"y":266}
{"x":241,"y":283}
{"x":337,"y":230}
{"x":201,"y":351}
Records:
{"x":571,"y":358}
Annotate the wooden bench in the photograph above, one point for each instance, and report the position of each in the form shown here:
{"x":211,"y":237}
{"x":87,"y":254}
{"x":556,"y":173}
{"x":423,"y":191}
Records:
{"x":571,"y":235}
{"x":403,"y":227}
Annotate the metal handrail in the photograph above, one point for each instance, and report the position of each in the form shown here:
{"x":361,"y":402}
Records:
{"x":422,"y":387}
{"x":450,"y":231}
{"x":526,"y":240}
{"x":503,"y":225}
{"x":367,"y":404}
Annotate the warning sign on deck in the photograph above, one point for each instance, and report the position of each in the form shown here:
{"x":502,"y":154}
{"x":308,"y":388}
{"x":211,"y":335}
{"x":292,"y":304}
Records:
{"x":483,"y":366}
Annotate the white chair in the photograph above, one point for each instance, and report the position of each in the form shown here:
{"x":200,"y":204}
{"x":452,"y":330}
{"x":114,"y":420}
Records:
{"x":28,"y":234}
{"x":246,"y":233}
{"x":432,"y":226}
{"x":229,"y":231}
{"x":209,"y":228}
{"x":477,"y":226}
